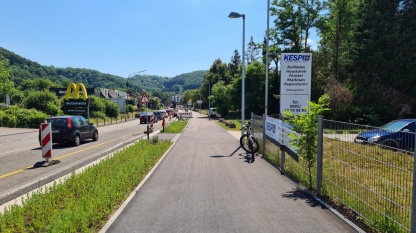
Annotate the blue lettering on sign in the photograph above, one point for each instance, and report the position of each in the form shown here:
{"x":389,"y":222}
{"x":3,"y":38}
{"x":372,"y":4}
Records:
{"x":296,"y":57}
{"x":271,"y":127}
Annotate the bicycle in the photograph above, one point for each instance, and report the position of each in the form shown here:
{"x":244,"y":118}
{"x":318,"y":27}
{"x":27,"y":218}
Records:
{"x":248,"y":142}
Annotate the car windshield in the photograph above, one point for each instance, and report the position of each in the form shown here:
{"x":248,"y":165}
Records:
{"x":144,"y":113}
{"x":395,"y":125}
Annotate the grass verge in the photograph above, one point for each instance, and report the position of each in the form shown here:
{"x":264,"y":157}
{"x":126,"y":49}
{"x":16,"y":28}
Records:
{"x":84,"y":202}
{"x":236,"y":122}
{"x":176,"y":127}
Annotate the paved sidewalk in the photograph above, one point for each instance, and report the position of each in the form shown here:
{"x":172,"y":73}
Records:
{"x":203,"y":184}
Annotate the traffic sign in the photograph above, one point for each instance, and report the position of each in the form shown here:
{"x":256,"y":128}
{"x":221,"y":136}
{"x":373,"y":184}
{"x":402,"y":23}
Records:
{"x":144,"y":99}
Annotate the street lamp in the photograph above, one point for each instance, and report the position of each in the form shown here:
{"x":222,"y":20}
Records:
{"x":266,"y":106}
{"x":127,"y":85}
{"x":237,"y":15}
{"x":209,"y":100}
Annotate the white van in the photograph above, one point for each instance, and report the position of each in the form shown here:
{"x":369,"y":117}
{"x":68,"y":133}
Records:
{"x":213,"y":113}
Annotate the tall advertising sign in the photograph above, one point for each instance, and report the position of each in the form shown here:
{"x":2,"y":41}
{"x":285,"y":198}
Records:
{"x":75,"y":105}
{"x":295,"y":86}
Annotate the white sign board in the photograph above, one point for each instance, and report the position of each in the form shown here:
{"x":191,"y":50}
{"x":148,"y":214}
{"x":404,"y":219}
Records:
{"x":121,"y":102}
{"x":295,"y":103}
{"x":279,"y":131}
{"x":295,"y":86}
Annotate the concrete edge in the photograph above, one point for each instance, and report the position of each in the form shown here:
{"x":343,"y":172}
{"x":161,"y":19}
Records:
{"x":338,"y":214}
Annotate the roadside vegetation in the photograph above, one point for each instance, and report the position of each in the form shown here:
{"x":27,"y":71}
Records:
{"x":85,"y":201}
{"x":175,"y":127}
{"x":237,"y":124}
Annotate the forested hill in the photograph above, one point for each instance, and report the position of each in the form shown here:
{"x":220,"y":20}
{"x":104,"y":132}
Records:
{"x":24,"y":69}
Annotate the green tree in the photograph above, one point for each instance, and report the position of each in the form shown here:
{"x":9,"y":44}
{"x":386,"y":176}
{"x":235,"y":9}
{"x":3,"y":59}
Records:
{"x":44,"y":101}
{"x":38,"y":84}
{"x":217,"y":72}
{"x":255,"y":87}
{"x":234,"y":64}
{"x":295,"y":19}
{"x":111,"y":109}
{"x":307,"y":126}
{"x":337,"y":29}
{"x":190,"y":95}
{"x":221,"y":97}
{"x":97,"y":104}
{"x":383,"y":64}
{"x":253,"y":51}
{"x":6,"y":86}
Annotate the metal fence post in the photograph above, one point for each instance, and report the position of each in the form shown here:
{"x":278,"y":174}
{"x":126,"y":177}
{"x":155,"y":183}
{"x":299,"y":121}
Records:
{"x":264,"y":135}
{"x":319,"y":156}
{"x":412,"y":215}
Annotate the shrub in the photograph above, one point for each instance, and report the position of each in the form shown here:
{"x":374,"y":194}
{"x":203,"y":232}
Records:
{"x":100,"y":115}
{"x":155,"y":139}
{"x":43,"y":101}
{"x":111,"y":109}
{"x":97,"y":104}
{"x":21,"y":118}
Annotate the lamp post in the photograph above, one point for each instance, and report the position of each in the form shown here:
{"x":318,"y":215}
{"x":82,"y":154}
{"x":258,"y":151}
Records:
{"x":237,"y":15}
{"x":127,"y":85}
{"x":209,"y":100}
{"x":267,"y":61}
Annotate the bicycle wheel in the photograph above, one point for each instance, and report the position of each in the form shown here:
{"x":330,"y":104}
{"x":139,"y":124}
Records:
{"x":244,"y":144}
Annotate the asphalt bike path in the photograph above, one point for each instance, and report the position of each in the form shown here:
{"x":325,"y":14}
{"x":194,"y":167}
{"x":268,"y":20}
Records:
{"x":204,"y":184}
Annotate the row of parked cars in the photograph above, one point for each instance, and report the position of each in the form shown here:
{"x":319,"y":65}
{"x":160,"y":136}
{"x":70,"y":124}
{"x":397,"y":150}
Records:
{"x":146,"y":116}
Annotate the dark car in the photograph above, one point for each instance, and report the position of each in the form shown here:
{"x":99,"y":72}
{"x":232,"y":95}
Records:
{"x":72,"y":129}
{"x":158,"y":115}
{"x":398,"y":134}
{"x":145,"y":117}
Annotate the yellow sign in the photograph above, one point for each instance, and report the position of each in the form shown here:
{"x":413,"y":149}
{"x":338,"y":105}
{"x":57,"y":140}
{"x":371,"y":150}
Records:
{"x":76,"y":87}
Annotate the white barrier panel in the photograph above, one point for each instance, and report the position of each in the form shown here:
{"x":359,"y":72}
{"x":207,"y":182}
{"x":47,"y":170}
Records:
{"x":46,"y":140}
{"x":185,"y":114}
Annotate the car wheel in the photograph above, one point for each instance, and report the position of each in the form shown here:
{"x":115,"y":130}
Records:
{"x":95,"y":137}
{"x":390,"y":144}
{"x":77,"y":140}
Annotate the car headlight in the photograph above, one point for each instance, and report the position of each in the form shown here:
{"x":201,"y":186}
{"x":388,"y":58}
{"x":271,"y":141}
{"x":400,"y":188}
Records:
{"x":374,"y":139}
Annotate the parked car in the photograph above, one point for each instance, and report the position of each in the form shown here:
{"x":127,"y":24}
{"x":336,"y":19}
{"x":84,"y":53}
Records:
{"x":158,"y":115}
{"x":163,"y":113}
{"x":398,"y":134}
{"x":72,"y":129}
{"x":213,"y":113}
{"x":145,"y":117}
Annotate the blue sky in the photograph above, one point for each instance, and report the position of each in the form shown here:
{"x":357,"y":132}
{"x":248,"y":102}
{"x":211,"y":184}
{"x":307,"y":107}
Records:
{"x":166,"y":38}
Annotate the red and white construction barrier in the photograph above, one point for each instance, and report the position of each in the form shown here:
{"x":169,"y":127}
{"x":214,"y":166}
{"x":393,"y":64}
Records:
{"x":151,"y":121}
{"x":46,"y":140}
{"x":185,"y":114}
